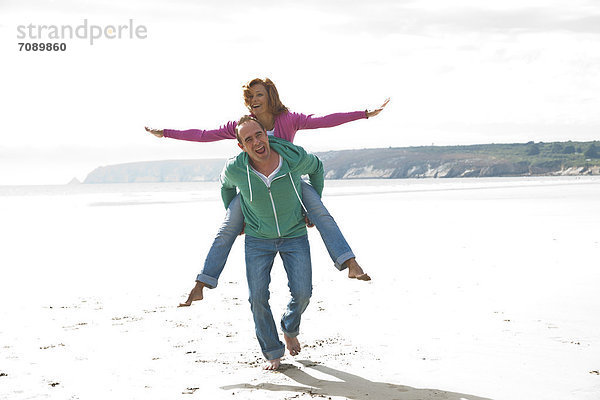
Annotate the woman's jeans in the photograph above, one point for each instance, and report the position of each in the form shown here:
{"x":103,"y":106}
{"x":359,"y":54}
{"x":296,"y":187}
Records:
{"x":336,"y":244}
{"x":260,"y":254}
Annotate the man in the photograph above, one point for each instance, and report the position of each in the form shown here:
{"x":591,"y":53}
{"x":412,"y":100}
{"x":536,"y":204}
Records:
{"x":267,"y":174}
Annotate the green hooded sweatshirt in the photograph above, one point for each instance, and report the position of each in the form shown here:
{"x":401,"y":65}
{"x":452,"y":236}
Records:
{"x":275,"y":212}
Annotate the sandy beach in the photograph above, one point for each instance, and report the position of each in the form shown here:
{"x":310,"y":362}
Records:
{"x":482,"y":289}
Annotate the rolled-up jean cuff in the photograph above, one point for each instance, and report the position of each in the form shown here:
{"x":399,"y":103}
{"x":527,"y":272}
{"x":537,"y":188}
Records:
{"x":274,"y":354}
{"x":342,"y":259}
{"x":291,"y":334}
{"x":209,"y":281}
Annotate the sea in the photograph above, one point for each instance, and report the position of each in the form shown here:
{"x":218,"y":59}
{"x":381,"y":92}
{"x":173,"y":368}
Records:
{"x":114,"y":234}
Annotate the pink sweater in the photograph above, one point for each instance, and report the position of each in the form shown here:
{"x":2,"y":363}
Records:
{"x":286,"y":126}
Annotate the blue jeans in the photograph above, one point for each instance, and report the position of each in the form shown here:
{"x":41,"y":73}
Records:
{"x":336,"y":244}
{"x":260,"y":254}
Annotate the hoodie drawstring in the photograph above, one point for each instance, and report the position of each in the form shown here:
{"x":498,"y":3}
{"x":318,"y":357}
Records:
{"x":297,"y":195}
{"x":250,"y":184}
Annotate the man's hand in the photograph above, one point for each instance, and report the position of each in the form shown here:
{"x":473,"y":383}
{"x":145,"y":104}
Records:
{"x":308,"y":223}
{"x":243,"y":229}
{"x":195,"y":294}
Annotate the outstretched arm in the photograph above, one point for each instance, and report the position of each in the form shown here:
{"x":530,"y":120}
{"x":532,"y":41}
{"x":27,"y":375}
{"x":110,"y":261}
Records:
{"x":226,"y":131}
{"x":311,"y":121}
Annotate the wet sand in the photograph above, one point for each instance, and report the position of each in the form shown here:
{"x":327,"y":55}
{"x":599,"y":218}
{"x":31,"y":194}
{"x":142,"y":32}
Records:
{"x":481,"y":289}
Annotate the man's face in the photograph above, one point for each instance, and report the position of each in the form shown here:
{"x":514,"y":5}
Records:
{"x":254,"y":141}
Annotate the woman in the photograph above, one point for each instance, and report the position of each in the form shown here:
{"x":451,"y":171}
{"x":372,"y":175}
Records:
{"x":262,"y":100}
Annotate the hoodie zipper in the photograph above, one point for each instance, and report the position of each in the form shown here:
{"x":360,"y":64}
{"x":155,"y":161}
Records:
{"x":273,"y":204}
{"x":274,"y":212}
{"x":271,"y":197}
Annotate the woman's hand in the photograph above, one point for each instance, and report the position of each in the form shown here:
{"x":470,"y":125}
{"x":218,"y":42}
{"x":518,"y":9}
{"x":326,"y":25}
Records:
{"x":376,"y":111}
{"x":155,"y":132}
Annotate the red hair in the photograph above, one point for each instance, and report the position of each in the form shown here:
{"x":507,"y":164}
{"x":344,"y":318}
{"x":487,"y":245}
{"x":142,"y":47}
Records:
{"x":276,"y":107}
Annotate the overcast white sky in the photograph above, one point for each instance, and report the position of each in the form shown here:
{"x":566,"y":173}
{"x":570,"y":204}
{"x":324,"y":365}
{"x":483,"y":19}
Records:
{"x":458,"y":72}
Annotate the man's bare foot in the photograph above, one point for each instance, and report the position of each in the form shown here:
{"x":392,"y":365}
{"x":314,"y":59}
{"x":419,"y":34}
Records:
{"x":195,"y":294}
{"x":272,"y":365}
{"x":355,"y":271}
{"x":292,"y":344}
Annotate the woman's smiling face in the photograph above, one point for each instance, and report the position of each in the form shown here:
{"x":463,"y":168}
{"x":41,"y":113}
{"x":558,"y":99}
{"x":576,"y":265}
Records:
{"x":258,"y":100}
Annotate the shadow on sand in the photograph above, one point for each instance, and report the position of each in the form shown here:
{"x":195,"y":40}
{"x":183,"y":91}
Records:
{"x":351,"y":386}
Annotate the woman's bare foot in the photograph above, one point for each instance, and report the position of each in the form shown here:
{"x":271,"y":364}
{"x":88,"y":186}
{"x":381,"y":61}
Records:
{"x":272,"y":365}
{"x":195,"y":294}
{"x":355,"y":271}
{"x":292,"y":344}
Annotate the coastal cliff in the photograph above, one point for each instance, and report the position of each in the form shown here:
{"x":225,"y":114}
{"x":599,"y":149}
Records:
{"x":489,"y":160}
